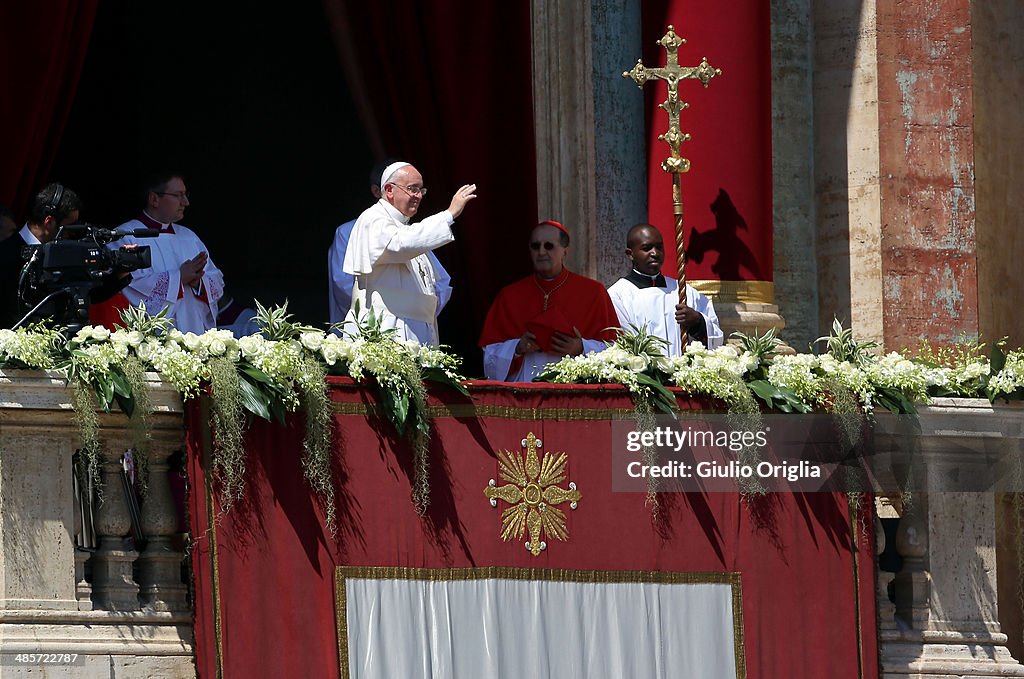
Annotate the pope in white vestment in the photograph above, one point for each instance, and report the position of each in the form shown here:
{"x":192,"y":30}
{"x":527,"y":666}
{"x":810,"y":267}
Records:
{"x":388,"y":256}
{"x":339,"y":292}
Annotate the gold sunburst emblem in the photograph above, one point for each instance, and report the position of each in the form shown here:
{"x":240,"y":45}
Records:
{"x":532,"y":492}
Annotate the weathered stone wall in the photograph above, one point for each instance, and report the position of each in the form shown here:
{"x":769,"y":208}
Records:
{"x":926,"y":133}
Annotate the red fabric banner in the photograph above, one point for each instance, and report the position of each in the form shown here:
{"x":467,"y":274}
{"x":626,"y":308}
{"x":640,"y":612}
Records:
{"x":447,"y":86}
{"x":42,"y":50}
{"x":727,"y":194}
{"x":263,"y":571}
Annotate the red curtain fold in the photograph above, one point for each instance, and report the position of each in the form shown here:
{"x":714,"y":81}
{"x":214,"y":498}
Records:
{"x":447,"y":86}
{"x":42,"y":51}
{"x":727,"y":194}
{"x":807,"y":571}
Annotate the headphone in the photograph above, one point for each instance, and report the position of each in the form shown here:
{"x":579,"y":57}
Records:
{"x":52,"y":207}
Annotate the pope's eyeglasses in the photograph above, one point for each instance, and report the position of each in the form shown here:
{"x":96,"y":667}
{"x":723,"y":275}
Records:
{"x":416,"y":191}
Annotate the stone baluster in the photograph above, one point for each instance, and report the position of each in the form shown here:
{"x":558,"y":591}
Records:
{"x":886,"y":608}
{"x":160,"y":563}
{"x":82,"y":514}
{"x":112,"y":583}
{"x":913,"y":584}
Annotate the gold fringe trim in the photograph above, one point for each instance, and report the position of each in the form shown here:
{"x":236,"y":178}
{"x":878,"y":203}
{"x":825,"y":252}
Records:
{"x":471,"y":410}
{"x":855,"y":540}
{"x":343,"y":573}
{"x":211,"y":525}
{"x":750,"y":292}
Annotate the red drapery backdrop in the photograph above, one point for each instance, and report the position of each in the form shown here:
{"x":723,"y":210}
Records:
{"x":727,"y":194}
{"x":448,"y":87}
{"x":42,"y":50}
{"x":267,"y":594}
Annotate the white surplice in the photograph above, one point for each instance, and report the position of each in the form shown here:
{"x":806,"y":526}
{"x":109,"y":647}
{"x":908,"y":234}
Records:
{"x":656,"y":307}
{"x":160,"y":285}
{"x":339,"y":292}
{"x":498,"y":358}
{"x":393,"y":274}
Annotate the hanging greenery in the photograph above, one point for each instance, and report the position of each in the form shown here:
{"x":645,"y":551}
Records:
{"x":282,"y":370}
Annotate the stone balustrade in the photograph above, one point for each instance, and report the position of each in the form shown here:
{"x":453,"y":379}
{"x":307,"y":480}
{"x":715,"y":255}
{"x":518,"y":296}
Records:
{"x":127,"y":614}
{"x":124,"y":613}
{"x":943,"y":618}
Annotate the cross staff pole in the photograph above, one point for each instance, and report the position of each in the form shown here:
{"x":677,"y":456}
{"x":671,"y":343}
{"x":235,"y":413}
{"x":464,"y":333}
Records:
{"x":675,"y":164}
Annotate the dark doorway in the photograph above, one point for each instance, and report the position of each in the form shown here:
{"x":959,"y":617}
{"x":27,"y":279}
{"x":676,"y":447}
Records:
{"x":249,"y":102}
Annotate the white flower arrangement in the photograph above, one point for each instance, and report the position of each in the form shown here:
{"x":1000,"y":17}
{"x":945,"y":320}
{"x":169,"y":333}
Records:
{"x":1010,"y":379}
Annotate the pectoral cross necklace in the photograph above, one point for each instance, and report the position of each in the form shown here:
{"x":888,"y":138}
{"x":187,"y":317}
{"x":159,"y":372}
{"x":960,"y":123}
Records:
{"x":547,"y":294}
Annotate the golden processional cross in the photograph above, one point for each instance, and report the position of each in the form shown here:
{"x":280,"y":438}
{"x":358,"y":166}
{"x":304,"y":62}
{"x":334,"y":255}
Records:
{"x":675,"y":164}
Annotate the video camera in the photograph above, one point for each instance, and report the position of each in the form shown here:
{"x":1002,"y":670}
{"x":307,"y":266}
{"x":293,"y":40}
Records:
{"x":62,"y":277}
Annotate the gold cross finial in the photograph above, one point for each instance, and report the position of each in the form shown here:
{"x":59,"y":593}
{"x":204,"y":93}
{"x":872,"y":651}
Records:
{"x":675,"y":164}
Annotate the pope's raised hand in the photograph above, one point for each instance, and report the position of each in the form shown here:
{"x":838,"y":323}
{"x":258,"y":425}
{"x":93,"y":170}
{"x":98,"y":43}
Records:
{"x":465,"y":194}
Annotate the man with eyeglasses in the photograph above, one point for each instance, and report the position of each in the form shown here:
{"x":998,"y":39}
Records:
{"x":387,"y":255}
{"x":339,"y":291}
{"x":183,"y":278}
{"x":550,"y":314}
{"x":646,"y":297}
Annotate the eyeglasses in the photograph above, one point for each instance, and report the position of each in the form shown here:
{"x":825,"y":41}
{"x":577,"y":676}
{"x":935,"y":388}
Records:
{"x":413,"y":190}
{"x":535,"y":246}
{"x":180,"y":195}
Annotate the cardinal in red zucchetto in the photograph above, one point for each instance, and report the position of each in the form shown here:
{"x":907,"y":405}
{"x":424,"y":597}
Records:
{"x":550,"y":314}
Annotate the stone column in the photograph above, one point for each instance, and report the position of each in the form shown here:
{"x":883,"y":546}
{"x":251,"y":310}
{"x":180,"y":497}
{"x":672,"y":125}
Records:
{"x":589,"y":128}
{"x":847,"y":202}
{"x":793,"y":203}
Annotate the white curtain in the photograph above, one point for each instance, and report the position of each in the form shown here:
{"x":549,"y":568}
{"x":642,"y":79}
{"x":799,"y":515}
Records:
{"x":528,"y":629}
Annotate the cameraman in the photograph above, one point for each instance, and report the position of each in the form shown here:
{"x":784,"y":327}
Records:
{"x":53,"y":207}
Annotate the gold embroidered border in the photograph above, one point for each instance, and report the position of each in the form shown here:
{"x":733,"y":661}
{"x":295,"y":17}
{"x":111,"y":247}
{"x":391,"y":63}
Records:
{"x":343,"y":573}
{"x":211,"y":527}
{"x":751,"y":292}
{"x":855,"y":541}
{"x":471,"y":410}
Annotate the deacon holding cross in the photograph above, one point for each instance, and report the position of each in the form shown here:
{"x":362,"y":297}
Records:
{"x":646,"y":297}
{"x":388,"y":255}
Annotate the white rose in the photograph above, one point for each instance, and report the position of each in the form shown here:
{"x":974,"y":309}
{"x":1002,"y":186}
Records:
{"x":617,"y":356}
{"x":637,"y":363}
{"x":191,"y":341}
{"x":147,"y":351}
{"x":312,"y":340}
{"x":727,"y":351}
{"x":250,"y":345}
{"x":216,"y":347}
{"x":99,"y":333}
{"x":330,"y":353}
